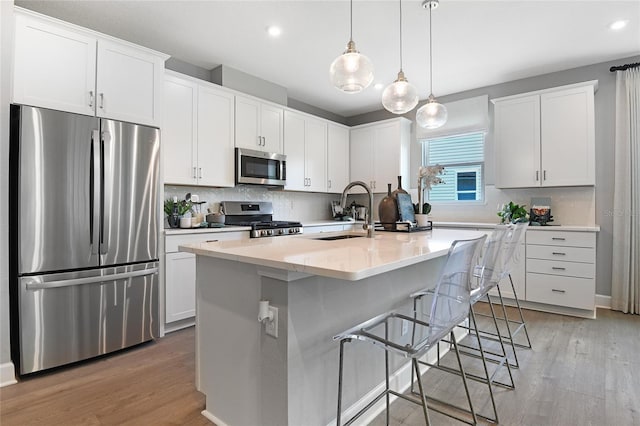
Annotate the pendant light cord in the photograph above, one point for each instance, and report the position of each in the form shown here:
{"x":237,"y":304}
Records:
{"x":430,"y":52}
{"x":400,"y":35}
{"x":351,"y":20}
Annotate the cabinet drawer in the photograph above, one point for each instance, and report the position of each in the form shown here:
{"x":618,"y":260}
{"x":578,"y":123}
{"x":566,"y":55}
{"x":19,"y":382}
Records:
{"x":172,"y":242}
{"x":559,"y":238}
{"x":569,"y":254}
{"x":568,"y":269}
{"x":564,"y":291}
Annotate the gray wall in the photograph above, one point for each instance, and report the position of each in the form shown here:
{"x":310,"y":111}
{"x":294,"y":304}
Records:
{"x":6,"y":31}
{"x":604,"y":128}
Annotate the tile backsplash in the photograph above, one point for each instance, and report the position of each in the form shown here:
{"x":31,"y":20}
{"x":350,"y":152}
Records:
{"x":570,"y":206}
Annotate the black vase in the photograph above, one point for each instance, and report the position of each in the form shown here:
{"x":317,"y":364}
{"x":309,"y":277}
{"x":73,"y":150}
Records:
{"x":388,"y":211}
{"x":174,"y":220}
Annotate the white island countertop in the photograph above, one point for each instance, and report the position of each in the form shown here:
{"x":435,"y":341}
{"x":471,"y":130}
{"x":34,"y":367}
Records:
{"x":349,"y":259}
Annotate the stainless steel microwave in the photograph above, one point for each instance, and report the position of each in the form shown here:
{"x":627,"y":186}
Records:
{"x":260,"y":168}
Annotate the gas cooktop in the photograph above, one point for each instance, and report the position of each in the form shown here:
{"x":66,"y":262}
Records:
{"x":259,"y":216}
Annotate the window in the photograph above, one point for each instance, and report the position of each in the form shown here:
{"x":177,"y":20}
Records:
{"x":463,"y":159}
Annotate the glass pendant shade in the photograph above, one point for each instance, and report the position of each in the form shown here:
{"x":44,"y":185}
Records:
{"x":351,"y":72}
{"x":432,"y":114}
{"x":400,"y":96}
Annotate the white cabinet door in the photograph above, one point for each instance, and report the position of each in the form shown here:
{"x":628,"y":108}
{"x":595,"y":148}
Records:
{"x":215,"y":137}
{"x":54,"y":67}
{"x":517,"y":142}
{"x":258,"y":125}
{"x":271,"y":118}
{"x":247,"y":127}
{"x":361,"y":156}
{"x":386,"y":157}
{"x":337,"y":158}
{"x":294,"y":149}
{"x":568,"y":140}
{"x":180,"y":283}
{"x":315,"y":155}
{"x":179,"y":146}
{"x":129,"y":83}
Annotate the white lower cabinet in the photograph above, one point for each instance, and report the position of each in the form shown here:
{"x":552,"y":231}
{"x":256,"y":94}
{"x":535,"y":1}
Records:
{"x":561,"y":268}
{"x":180,"y":276}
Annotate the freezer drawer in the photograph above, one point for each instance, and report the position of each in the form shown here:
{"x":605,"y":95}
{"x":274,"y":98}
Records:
{"x":74,"y":316}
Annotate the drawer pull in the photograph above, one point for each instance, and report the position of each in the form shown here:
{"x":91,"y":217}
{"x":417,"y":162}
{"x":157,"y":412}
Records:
{"x":555,"y":290}
{"x":212,"y":241}
{"x":559,"y":253}
{"x":558,"y":268}
{"x":558,"y":239}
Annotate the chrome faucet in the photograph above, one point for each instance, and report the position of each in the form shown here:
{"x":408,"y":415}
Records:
{"x":343,"y":203}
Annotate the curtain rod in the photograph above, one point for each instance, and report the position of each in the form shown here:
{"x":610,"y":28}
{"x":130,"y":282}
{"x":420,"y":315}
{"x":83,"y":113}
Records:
{"x":624,"y":67}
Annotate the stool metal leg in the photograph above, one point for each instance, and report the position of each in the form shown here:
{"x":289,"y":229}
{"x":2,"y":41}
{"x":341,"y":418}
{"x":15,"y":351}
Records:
{"x":515,"y":364}
{"x":342,"y":342}
{"x":425,"y":411}
{"x":484,"y":364}
{"x":464,"y":378}
{"x":502,"y":347}
{"x":522,"y":321}
{"x":386,"y":367}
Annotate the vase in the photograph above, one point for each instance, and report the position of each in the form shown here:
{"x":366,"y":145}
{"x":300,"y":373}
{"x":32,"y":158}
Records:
{"x":174,"y":220}
{"x":395,"y":193}
{"x":388,"y":211}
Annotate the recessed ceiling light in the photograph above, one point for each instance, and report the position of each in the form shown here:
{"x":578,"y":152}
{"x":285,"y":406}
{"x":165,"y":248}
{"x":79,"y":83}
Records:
{"x":379,"y":86}
{"x":618,"y":25}
{"x":274,"y":31}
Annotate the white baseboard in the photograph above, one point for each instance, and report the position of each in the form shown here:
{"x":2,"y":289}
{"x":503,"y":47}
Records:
{"x":213,"y":418}
{"x":7,"y":374}
{"x":603,"y":301}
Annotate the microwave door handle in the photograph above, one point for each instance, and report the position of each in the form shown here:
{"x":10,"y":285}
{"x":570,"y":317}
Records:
{"x":95,"y":172}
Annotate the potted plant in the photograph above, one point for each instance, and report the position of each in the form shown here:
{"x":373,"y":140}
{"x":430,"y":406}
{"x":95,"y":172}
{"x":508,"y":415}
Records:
{"x":428,"y":176}
{"x":513,"y":213}
{"x":175,"y":210}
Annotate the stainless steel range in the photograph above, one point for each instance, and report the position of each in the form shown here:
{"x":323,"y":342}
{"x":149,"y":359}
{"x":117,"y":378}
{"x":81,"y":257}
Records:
{"x":259,"y":216}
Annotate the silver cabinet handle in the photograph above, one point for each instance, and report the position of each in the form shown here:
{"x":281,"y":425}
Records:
{"x":91,"y":98}
{"x":259,"y":140}
{"x":558,"y":268}
{"x":544,"y":175}
{"x":537,"y":175}
{"x":199,"y":172}
{"x":309,"y":181}
{"x":558,"y":238}
{"x":555,"y":290}
{"x":558,"y":253}
{"x":101,"y":100}
{"x":195,"y":175}
{"x":264,"y":141}
{"x":329,"y":183}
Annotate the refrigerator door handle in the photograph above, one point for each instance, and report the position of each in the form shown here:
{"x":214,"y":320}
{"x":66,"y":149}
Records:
{"x":35,"y":285}
{"x":95,"y":175}
{"x":105,"y":190}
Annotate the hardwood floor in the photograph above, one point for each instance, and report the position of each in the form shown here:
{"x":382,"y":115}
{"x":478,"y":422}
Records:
{"x":580,"y":372}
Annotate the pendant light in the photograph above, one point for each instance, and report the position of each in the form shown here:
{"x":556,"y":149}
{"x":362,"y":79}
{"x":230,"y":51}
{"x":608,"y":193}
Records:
{"x":432,"y":114}
{"x":351,"y":72}
{"x":400,"y":96}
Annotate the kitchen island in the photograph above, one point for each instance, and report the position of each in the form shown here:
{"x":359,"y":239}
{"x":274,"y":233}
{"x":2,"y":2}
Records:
{"x":320,"y":287}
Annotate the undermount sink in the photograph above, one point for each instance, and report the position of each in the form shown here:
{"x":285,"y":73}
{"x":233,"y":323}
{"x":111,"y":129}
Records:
{"x":338,"y":237}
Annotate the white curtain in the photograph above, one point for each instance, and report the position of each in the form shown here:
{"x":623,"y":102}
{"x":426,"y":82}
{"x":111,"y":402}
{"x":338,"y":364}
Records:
{"x":625,"y":291}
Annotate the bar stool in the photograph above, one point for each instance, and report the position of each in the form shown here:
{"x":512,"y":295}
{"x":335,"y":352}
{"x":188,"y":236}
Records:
{"x":481,"y":283}
{"x":450,"y":306}
{"x":512,"y":239}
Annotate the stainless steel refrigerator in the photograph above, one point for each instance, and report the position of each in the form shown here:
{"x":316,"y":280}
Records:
{"x":83,"y":236}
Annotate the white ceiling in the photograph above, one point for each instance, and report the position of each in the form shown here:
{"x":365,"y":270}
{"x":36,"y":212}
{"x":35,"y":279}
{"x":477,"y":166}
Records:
{"x":476,"y":43}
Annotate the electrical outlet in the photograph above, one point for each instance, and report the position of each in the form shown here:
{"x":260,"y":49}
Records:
{"x":405,"y":327}
{"x":271,"y":327}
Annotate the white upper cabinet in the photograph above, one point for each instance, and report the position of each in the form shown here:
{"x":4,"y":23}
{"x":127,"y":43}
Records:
{"x":259,"y":125}
{"x":179,"y":143}
{"x":68,"y":68}
{"x":305,"y":145}
{"x":337,"y":158}
{"x":546,"y":138}
{"x":380,"y":153}
{"x":197,"y":133}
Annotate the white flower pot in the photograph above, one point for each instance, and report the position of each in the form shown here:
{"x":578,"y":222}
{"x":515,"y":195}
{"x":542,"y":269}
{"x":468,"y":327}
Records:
{"x":422,"y":219}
